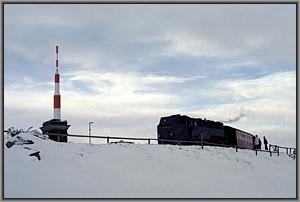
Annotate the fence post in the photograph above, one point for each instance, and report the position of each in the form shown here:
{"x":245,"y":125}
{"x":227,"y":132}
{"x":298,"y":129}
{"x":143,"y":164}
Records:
{"x":107,"y":139}
{"x":148,"y":141}
{"x":294,"y":152}
{"x":201,"y":136}
{"x":256,"y":152}
{"x":270,"y":153}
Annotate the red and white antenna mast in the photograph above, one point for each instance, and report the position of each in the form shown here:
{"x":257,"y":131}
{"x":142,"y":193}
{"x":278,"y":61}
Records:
{"x":57,"y":111}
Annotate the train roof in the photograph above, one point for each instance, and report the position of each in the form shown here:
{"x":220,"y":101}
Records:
{"x":239,"y":130}
{"x":176,"y":116}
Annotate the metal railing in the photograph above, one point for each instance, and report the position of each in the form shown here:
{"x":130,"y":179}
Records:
{"x":164,"y":141}
{"x":272,"y":148}
{"x":288,"y":150}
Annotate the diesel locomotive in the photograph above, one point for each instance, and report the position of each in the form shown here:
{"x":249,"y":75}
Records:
{"x":183,"y":128}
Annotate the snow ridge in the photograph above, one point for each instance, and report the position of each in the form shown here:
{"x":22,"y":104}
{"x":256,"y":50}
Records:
{"x":123,"y":170}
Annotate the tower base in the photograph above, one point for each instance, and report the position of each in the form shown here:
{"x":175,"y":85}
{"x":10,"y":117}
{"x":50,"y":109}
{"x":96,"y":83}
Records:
{"x":56,"y":126}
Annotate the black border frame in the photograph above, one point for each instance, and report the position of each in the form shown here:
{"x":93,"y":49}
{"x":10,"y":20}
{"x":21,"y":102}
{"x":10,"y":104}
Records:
{"x":3,"y":3}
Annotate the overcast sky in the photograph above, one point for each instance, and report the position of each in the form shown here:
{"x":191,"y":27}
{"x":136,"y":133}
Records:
{"x":124,"y":66}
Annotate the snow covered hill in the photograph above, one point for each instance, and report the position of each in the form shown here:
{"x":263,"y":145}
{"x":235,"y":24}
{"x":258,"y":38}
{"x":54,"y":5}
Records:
{"x":141,"y":171}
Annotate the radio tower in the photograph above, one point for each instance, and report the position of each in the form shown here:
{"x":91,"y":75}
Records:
{"x":56,"y":126}
{"x":57,"y":111}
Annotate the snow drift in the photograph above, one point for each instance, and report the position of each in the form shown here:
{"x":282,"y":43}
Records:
{"x":69,"y":170}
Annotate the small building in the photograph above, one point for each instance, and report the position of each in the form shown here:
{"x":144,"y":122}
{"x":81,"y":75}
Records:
{"x":56,"y":126}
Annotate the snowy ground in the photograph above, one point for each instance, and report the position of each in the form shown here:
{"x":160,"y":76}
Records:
{"x":69,"y":170}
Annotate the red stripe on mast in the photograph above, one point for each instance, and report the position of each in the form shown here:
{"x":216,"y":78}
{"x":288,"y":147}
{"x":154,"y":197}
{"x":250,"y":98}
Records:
{"x":56,"y":101}
{"x":56,"y":79}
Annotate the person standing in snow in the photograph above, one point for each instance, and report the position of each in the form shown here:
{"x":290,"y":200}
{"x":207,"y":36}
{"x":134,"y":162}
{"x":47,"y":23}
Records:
{"x":266,"y":143}
{"x":259,"y":145}
{"x":256,"y":142}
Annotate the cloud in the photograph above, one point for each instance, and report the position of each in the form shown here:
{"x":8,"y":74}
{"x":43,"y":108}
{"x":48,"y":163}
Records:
{"x":194,"y":45}
{"x":208,"y":30}
{"x":120,"y":83}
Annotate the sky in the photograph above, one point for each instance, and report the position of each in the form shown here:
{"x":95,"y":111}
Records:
{"x":123,"y":66}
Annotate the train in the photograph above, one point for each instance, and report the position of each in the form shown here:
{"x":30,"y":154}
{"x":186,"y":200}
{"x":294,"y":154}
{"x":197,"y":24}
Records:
{"x":184,"y":130}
